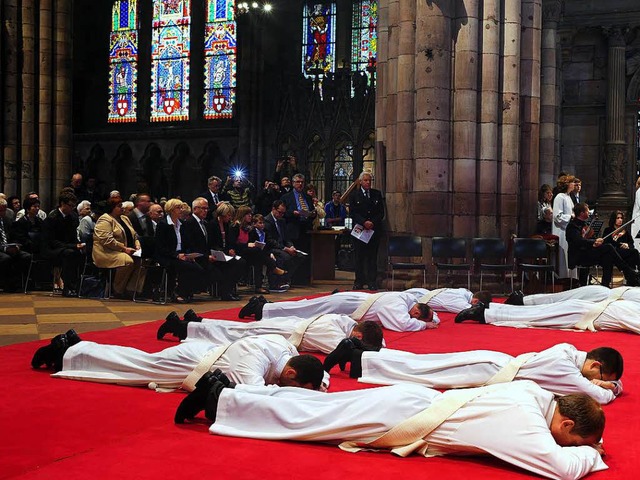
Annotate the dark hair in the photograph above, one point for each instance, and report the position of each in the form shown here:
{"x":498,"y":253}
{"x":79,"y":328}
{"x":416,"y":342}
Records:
{"x":484,"y":297}
{"x":257,"y":218}
{"x":544,"y":189}
{"x":585,"y":412}
{"x":67,"y":197}
{"x":138,"y":196}
{"x":614,"y":215}
{"x":276,"y":204}
{"x":579,"y":208}
{"x":425,"y":311}
{"x":30,"y":202}
{"x":610,"y":358}
{"x":112,"y":203}
{"x":371,"y":334}
{"x":308,"y":370}
{"x":11,"y":199}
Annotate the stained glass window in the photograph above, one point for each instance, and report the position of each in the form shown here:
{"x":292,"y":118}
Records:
{"x":220,"y":59}
{"x":123,"y":62}
{"x":318,"y":38}
{"x":342,"y":165}
{"x":170,"y":48}
{"x":364,"y":38}
{"x":316,"y":162}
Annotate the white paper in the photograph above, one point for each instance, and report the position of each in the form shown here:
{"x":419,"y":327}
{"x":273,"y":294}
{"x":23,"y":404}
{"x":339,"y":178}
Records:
{"x":222,"y":257}
{"x":361,"y":234}
{"x":137,"y":253}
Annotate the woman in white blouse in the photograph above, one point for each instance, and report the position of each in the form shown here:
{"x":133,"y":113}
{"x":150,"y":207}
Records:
{"x":562,"y":213}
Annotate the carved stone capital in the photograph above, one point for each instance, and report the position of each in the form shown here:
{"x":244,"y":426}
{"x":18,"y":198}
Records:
{"x":551,"y":11}
{"x":615,"y":35}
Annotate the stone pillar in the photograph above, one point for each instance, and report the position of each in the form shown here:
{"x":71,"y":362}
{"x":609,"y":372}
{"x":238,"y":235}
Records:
{"x":549,"y":100}
{"x":381,"y":93}
{"x":487,"y":164}
{"x":465,"y":118}
{"x":45,"y":94}
{"x":509,"y":147}
{"x":401,"y":181}
{"x":530,"y":114}
{"x":28,"y":97}
{"x":432,"y":199}
{"x":615,"y":161}
{"x":62,"y":95}
{"x":10,"y":96}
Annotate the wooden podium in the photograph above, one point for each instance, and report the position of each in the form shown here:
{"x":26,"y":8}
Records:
{"x":323,"y":255}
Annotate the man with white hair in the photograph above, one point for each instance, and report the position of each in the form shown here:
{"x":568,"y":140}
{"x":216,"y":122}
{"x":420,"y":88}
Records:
{"x":366,"y":206}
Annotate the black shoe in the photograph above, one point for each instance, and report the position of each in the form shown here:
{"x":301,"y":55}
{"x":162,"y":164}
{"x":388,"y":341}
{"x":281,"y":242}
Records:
{"x":67,"y":292}
{"x":335,"y":290}
{"x":263,"y":300}
{"x":474,"y":313}
{"x":516,"y":298}
{"x":373,"y":287}
{"x":72,"y":337}
{"x":230,"y":297}
{"x":196,"y":401}
{"x":250,"y":308}
{"x":191,"y":316}
{"x":174,"y":326}
{"x":342,"y":354}
{"x":356,"y":286}
{"x":51,"y":355}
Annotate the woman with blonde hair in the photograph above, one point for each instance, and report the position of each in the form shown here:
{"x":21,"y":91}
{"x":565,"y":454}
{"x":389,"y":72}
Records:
{"x":562,"y":214}
{"x":114,"y":242}
{"x":169,"y":254}
{"x":220,"y":239}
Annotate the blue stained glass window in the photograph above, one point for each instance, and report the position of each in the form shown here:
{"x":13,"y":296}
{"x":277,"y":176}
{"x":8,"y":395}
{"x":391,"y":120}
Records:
{"x":318,"y":38}
{"x":123,"y":62}
{"x":220,"y":59}
{"x":170,"y":50}
{"x":364,"y":37}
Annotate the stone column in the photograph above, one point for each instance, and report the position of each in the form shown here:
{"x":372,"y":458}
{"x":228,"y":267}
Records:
{"x":432,"y":199}
{"x":615,"y":162}
{"x":487,"y":165}
{"x":530,"y":114}
{"x":381,"y":92}
{"x":509,"y":147}
{"x":62,"y":95}
{"x":28,"y":97}
{"x":549,"y":100}
{"x":401,"y":182}
{"x":465,"y":118}
{"x":45,"y":94}
{"x":10,"y":96}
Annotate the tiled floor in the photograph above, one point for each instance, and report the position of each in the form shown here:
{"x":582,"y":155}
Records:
{"x":40,"y":315}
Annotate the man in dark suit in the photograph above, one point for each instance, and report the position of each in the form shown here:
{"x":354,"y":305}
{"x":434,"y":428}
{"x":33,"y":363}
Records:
{"x":299,"y":217}
{"x":60,"y":241}
{"x":196,"y":238}
{"x":13,"y":259}
{"x":279,"y":244}
{"x":139,"y":216}
{"x":212,"y":195}
{"x":367,"y":209}
{"x":590,"y":251}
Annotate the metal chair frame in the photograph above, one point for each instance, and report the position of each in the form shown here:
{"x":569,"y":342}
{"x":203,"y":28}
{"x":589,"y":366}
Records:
{"x":406,"y":246}
{"x":450,"y":249}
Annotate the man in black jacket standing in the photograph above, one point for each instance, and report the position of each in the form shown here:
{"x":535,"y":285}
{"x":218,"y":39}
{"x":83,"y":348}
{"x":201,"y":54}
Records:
{"x":366,"y":205}
{"x":589,"y":251}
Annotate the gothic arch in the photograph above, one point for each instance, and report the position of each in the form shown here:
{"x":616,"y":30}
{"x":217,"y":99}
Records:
{"x":153,"y":171}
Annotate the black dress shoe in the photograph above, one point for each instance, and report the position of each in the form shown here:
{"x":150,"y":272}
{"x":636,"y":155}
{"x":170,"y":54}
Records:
{"x":230,"y":297}
{"x":51,"y":355}
{"x":195,"y":402}
{"x":515,"y":298}
{"x":250,"y":308}
{"x":191,"y":316}
{"x":474,"y":313}
{"x":72,"y":337}
{"x":173,"y":325}
{"x":342,"y":354}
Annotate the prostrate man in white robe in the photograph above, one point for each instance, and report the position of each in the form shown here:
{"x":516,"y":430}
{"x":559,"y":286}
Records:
{"x":610,"y":314}
{"x":450,"y":300}
{"x":561,"y":369}
{"x":590,"y":293}
{"x":519,"y":422}
{"x":316,"y":334}
{"x":257,"y":360}
{"x":396,"y":311}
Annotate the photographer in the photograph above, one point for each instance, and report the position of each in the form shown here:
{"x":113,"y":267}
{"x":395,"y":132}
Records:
{"x":238,"y":190}
{"x":285,"y":167}
{"x":269,"y":194}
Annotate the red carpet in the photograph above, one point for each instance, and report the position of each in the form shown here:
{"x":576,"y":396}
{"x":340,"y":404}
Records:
{"x":54,"y":429}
